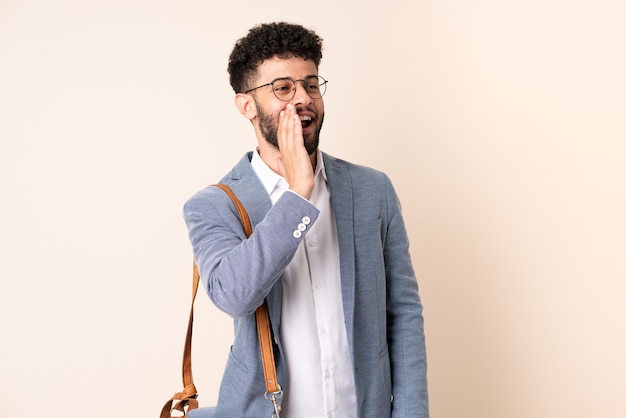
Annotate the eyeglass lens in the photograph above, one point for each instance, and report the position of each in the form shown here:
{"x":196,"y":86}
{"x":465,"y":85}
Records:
{"x":285,"y":88}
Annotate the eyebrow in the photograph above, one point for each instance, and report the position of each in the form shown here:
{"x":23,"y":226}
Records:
{"x":294,"y":79}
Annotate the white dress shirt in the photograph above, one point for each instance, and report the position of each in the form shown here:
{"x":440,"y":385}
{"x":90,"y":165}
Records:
{"x":312,"y":331}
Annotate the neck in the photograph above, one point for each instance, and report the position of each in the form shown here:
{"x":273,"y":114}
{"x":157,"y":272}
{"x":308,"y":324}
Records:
{"x":269,"y":154}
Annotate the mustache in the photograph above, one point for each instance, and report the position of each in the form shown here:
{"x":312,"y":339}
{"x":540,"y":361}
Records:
{"x":300,"y":109}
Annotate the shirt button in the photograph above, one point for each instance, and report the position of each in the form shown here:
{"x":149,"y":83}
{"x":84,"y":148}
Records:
{"x":318,"y":286}
{"x":312,"y":244}
{"x":297,"y":234}
{"x":302,"y":227}
{"x":323,"y":331}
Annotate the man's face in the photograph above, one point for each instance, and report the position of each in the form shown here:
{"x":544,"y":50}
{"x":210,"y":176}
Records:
{"x":311,"y":111}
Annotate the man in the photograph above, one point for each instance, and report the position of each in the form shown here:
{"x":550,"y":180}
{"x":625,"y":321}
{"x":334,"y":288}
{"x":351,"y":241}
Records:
{"x":329,"y":253}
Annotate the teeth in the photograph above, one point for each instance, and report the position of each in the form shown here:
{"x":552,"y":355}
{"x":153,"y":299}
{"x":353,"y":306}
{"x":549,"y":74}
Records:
{"x":305,"y":118}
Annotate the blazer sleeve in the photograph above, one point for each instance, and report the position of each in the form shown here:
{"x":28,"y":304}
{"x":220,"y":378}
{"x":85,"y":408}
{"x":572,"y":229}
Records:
{"x":407,"y":349}
{"x":236,"y":272}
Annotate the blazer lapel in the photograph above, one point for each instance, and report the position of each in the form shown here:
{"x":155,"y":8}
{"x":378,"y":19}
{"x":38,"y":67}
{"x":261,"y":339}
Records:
{"x":249,"y":189}
{"x":342,"y":199}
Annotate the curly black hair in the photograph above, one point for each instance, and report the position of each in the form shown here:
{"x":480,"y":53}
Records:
{"x":264,"y":41}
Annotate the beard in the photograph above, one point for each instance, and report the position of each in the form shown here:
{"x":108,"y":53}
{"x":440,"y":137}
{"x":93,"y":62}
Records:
{"x":269,"y":128}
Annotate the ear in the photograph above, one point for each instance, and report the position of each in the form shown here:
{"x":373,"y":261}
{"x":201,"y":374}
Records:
{"x":246,"y":105}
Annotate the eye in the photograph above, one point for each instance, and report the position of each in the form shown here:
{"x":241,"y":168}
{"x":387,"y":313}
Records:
{"x":312,"y":84}
{"x":281,"y":88}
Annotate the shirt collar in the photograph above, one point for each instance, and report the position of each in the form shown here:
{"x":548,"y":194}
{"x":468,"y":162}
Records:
{"x":273,"y":183}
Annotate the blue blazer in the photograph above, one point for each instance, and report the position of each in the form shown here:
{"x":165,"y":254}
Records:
{"x":382,"y":307}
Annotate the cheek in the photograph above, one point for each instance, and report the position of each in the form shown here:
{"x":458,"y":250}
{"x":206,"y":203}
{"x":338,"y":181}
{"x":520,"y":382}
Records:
{"x":319,"y":107}
{"x":274,"y":112}
{"x":269,"y":113}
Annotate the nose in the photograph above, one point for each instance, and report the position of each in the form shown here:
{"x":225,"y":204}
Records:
{"x":300,"y":96}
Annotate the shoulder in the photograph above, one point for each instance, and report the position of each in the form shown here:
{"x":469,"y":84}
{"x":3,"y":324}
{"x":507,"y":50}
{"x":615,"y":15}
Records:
{"x":211,"y":196}
{"x":244,"y":183}
{"x":359,"y":175}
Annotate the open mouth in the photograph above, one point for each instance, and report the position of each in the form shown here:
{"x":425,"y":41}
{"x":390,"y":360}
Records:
{"x":306,"y":121}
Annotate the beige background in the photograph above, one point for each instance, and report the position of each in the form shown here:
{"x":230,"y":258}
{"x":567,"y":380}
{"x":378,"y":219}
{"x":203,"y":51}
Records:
{"x":502,"y":124}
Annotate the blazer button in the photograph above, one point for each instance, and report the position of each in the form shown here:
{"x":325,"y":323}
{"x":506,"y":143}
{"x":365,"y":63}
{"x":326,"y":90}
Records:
{"x":297,"y":234}
{"x":306,"y":220}
{"x":301,"y":227}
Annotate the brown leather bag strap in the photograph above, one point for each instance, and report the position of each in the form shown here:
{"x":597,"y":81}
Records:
{"x":185,"y":401}
{"x":187,"y":374}
{"x":262,"y":316}
{"x":241,"y":211}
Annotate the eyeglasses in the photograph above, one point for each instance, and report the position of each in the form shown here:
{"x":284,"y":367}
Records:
{"x":285,"y":88}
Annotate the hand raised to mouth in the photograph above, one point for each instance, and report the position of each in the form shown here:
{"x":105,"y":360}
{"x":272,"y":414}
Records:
{"x":294,"y":163}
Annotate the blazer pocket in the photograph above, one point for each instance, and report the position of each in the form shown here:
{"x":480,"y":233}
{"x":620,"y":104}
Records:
{"x":385,"y":368}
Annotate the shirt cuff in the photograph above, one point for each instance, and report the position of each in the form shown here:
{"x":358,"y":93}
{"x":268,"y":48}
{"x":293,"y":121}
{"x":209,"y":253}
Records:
{"x":297,"y":194}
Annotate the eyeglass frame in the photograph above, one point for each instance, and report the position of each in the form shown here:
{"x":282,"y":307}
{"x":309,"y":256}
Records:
{"x":295,"y":84}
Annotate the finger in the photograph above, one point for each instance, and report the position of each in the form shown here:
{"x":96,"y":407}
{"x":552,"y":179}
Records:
{"x":286,"y":128}
{"x":283,"y":129}
{"x":297,"y":129}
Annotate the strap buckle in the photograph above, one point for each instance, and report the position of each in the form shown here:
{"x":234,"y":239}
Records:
{"x":274,"y":397}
